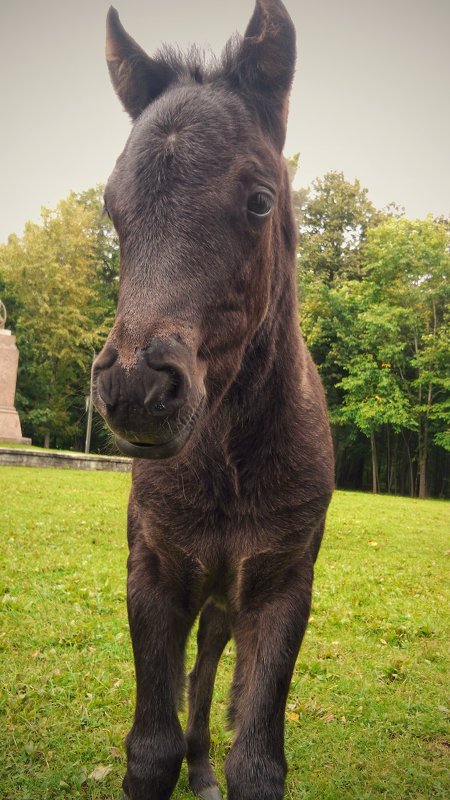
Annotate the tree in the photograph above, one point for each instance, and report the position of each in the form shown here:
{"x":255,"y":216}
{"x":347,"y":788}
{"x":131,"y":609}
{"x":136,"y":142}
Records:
{"x":54,"y":273}
{"x":409,"y":264}
{"x":334,"y":221}
{"x":373,"y":398}
{"x":375,"y":316}
{"x":334,"y":218}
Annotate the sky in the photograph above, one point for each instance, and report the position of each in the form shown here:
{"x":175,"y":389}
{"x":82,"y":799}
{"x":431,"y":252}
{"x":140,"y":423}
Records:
{"x":370,"y":96}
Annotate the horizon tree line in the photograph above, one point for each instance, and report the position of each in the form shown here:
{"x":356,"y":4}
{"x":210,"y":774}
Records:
{"x":374,"y":306}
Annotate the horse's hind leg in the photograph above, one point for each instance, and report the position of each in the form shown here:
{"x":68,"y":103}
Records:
{"x":213,"y":634}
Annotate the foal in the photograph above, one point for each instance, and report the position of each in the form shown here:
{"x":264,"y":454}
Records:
{"x":206,"y":381}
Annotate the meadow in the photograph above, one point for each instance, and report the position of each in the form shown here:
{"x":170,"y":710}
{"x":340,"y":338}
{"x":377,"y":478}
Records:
{"x":367,"y":713}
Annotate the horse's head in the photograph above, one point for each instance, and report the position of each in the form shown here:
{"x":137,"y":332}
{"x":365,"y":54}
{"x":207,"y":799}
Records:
{"x":200,"y":200}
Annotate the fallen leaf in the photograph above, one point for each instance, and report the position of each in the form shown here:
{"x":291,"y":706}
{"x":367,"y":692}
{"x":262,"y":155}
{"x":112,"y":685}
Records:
{"x":329,"y":718}
{"x":115,"y":752}
{"x":292,"y":716}
{"x":100,"y":772}
{"x":373,"y":544}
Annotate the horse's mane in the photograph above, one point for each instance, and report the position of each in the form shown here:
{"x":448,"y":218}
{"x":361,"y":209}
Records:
{"x":198,"y":64}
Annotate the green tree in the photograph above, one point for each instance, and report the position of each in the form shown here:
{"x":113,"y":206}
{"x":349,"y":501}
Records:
{"x":334,"y":221}
{"x":409,"y":264}
{"x":55,"y":275}
{"x":375,"y":316}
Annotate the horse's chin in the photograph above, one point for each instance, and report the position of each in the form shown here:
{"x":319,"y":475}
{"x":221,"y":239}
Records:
{"x":156,"y":452}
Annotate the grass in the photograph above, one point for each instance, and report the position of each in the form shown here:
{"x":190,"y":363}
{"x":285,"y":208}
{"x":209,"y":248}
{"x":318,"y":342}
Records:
{"x":367,"y":711}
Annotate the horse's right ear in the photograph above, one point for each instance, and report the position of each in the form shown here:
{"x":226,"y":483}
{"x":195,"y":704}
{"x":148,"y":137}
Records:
{"x":137,"y":78}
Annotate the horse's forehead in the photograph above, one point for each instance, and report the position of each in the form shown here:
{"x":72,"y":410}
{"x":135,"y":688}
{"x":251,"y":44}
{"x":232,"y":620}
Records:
{"x":194,"y":139}
{"x":190,"y":121}
{"x":193,"y":105}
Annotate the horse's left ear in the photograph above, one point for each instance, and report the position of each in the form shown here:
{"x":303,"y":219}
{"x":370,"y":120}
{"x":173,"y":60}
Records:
{"x":137,"y":78}
{"x":266,"y":63}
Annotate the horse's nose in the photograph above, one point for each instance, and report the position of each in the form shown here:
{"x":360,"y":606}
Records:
{"x":158,"y":382}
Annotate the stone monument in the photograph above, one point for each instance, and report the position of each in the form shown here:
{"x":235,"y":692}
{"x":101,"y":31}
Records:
{"x":10,"y":430}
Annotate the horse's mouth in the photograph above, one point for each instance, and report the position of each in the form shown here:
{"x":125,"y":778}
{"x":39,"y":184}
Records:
{"x":159,"y":450}
{"x":152,"y":451}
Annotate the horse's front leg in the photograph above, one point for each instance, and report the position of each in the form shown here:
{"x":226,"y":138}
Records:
{"x":213,"y":634}
{"x":274,"y":604}
{"x":160,"y":617}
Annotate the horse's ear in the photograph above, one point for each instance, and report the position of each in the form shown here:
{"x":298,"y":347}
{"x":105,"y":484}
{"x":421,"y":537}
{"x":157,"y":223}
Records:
{"x":137,"y":78}
{"x":266,"y":63}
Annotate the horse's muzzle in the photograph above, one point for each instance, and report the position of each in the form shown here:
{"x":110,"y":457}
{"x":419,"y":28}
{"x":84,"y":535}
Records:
{"x":152,"y":408}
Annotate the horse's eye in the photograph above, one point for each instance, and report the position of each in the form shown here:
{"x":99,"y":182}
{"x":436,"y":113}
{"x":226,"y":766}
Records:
{"x":259,"y":204}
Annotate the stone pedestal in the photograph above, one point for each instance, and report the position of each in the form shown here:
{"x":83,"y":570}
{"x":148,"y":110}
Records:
{"x":10,"y":430}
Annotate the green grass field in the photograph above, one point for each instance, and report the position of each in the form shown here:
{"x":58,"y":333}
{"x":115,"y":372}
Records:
{"x":367,"y":712}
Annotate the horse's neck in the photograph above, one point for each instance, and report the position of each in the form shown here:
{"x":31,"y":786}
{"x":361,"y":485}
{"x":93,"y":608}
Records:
{"x":268,"y":384}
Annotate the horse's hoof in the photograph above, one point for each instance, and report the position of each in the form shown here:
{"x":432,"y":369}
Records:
{"x":210,"y":793}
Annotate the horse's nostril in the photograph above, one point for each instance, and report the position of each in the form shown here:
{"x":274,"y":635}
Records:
{"x":108,"y":389}
{"x":106,"y":358}
{"x":154,"y":402}
{"x":166,"y":390}
{"x":159,"y":406}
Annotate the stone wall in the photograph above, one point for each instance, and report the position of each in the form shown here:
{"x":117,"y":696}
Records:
{"x":18,"y":457}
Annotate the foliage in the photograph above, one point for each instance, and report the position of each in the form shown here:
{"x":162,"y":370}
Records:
{"x":372,"y":396}
{"x":58,"y":282}
{"x":335,"y":219}
{"x":366,"y":715}
{"x":375,"y":315}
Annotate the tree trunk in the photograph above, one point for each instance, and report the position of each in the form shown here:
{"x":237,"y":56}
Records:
{"x":394,"y":472}
{"x":410,"y":466}
{"x":47,"y":439}
{"x":373,"y":448}
{"x":423,"y":448}
{"x":422,"y":477}
{"x":388,"y":468}
{"x":423,"y":452}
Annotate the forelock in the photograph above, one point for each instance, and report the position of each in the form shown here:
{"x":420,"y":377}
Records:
{"x":201,"y":65}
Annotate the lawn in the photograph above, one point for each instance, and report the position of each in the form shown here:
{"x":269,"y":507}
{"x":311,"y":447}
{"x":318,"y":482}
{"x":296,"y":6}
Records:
{"x":367,"y":711}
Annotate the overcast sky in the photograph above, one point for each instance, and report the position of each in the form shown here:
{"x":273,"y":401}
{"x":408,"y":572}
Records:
{"x":370,"y":98}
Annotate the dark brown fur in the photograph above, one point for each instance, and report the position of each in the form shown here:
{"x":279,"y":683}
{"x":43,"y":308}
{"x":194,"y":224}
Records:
{"x":206,"y":379}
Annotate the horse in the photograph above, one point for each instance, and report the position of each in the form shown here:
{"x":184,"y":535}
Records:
{"x":206,"y":382}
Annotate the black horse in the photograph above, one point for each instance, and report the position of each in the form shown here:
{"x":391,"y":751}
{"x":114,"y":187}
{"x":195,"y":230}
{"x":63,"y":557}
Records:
{"x":206,"y":381}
